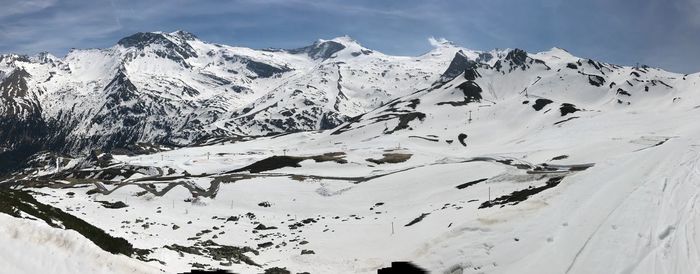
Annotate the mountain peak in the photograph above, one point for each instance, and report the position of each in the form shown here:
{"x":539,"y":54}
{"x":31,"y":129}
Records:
{"x":442,"y":46}
{"x":10,"y":58}
{"x":560,"y":52}
{"x":143,"y":39}
{"x":324,"y":49}
{"x":558,"y":49}
{"x":175,"y":44}
{"x":345,"y":39}
{"x":44,"y":57}
{"x":556,"y":54}
{"x":517,"y":56}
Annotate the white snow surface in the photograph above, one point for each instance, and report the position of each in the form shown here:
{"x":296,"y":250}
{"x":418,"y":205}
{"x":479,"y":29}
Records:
{"x":29,"y":247}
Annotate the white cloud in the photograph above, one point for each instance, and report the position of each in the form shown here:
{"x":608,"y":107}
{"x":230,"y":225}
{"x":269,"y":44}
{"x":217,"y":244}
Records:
{"x":438,"y":42}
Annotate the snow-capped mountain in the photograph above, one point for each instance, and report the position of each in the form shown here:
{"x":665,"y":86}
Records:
{"x":172,"y":88}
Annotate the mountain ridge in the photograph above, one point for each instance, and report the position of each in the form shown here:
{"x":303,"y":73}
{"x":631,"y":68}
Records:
{"x":172,"y":88}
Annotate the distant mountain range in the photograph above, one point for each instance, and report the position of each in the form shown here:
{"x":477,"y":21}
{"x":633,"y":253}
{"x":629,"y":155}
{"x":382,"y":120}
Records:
{"x":174,"y":89}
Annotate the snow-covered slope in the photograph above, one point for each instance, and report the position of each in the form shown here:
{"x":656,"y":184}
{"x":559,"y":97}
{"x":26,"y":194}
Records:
{"x":28,"y":247}
{"x":460,"y":161}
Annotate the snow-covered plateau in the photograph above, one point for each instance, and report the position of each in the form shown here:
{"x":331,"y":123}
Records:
{"x":165,"y":153}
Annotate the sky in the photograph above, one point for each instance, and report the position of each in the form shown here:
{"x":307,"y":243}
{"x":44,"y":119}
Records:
{"x":658,"y":33}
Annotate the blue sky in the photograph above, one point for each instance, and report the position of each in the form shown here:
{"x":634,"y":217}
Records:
{"x":661,"y":33}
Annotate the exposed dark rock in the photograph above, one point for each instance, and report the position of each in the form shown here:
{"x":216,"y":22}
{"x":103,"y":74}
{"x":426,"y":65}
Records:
{"x":402,"y":268}
{"x":272,"y":163}
{"x":331,"y":120}
{"x":264,"y":204}
{"x":15,"y":85}
{"x":404,"y":120}
{"x":418,"y":219}
{"x":567,"y":108}
{"x":471,"y":74}
{"x":595,"y":64}
{"x":565,"y":120}
{"x":623,"y":92}
{"x":174,"y":51}
{"x":217,"y":252}
{"x":541,"y":103}
{"x":216,"y":79}
{"x":560,"y":157}
{"x":188,"y":36}
{"x":517,"y":56}
{"x":391,"y":158}
{"x":471,"y":90}
{"x":460,"y":63}
{"x":468,"y":184}
{"x":277,"y":270}
{"x":265,"y":245}
{"x":307,"y":252}
{"x":484,"y":57}
{"x":263,"y":227}
{"x":338,"y":157}
{"x":325,"y":50}
{"x":596,"y":80}
{"x":24,"y":137}
{"x":115,"y":205}
{"x":521,"y":195}
{"x":320,"y":50}
{"x":462,"y":139}
{"x":308,"y":220}
{"x":197,"y":271}
{"x":264,"y":70}
{"x":276,"y":162}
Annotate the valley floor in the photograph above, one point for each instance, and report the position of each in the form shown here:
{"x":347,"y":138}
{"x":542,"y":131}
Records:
{"x":616,"y":199}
